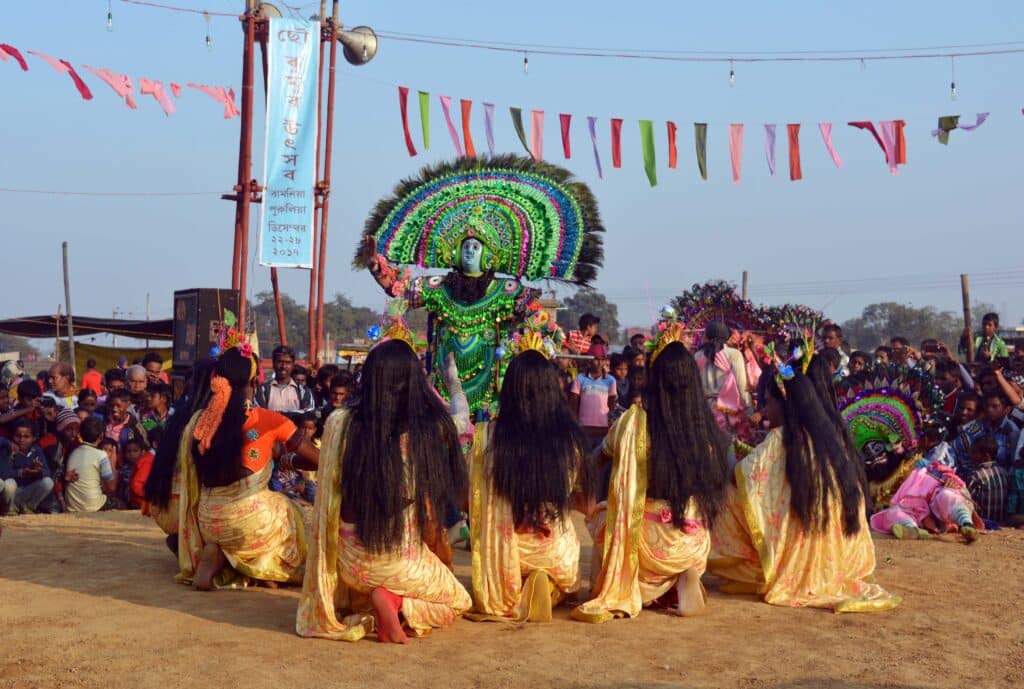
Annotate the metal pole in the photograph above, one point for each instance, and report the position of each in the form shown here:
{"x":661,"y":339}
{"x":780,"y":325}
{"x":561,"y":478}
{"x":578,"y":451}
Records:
{"x":147,"y":316}
{"x":744,"y":293}
{"x":329,"y":143}
{"x":113,"y":336}
{"x":67,"y":305}
{"x":282,"y":333}
{"x":56,"y":342}
{"x":244,"y":188}
{"x":317,"y":206}
{"x":965,"y":294}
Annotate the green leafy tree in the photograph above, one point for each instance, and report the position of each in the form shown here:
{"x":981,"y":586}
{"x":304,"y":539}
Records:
{"x":880,"y":322}
{"x":295,"y":318}
{"x":590,"y":301}
{"x":13,"y":343}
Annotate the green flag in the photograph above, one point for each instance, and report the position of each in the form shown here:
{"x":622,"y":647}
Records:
{"x":647,"y":144}
{"x":700,"y":132}
{"x":425,"y":117}
{"x":517,"y":122}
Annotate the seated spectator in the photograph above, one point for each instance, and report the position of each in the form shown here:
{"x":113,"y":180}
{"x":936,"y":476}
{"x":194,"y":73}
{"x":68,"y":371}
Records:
{"x":283,"y":394}
{"x":987,"y":482}
{"x":120,"y":424}
{"x":68,"y":425}
{"x":95,"y":481}
{"x":300,"y":374}
{"x":135,"y":450}
{"x":137,"y":381}
{"x":24,"y":462}
{"x":61,"y":378}
{"x":935,"y":449}
{"x":91,"y":380}
{"x":6,"y":403}
{"x":883,"y":355}
{"x":114,"y":379}
{"x":1015,"y":499}
{"x":153,"y":363}
{"x":27,"y":407}
{"x":143,"y":467}
{"x":295,"y":483}
{"x":579,"y":341}
{"x":992,"y":423}
{"x":159,"y":407}
{"x":987,"y":344}
{"x":859,"y":361}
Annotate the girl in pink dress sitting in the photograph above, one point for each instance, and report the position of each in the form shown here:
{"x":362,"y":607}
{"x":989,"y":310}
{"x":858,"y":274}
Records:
{"x":933,"y":499}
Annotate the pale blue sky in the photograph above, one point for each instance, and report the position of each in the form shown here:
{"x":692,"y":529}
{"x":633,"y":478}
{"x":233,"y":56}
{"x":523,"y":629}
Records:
{"x":950,"y":210}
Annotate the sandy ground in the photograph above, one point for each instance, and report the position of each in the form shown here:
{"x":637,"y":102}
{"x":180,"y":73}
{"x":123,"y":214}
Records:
{"x":89,"y":601}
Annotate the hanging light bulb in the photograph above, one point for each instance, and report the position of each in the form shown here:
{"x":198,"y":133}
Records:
{"x":366,"y":55}
{"x":952,"y":79}
{"x":526,"y":64}
{"x":209,"y":38}
{"x":732,"y":74}
{"x":863,"y":65}
{"x":110,"y":17}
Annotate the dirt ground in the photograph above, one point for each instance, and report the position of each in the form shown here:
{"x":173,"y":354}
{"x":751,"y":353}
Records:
{"x":89,"y":601}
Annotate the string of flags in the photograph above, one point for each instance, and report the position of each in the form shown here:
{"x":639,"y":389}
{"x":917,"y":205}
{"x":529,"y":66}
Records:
{"x":122,"y":84}
{"x":888,"y":134}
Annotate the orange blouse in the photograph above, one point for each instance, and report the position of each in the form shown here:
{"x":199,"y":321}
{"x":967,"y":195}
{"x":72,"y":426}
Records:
{"x":261,"y":430}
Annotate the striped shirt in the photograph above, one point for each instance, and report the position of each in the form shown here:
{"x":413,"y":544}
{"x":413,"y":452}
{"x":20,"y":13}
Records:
{"x":989,"y":485}
{"x":578,"y":342}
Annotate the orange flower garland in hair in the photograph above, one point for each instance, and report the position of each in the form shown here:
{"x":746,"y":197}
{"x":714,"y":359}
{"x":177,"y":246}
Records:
{"x":209,"y":420}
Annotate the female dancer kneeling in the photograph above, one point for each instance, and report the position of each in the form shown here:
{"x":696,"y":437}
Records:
{"x":669,"y":473}
{"x":388,"y":463}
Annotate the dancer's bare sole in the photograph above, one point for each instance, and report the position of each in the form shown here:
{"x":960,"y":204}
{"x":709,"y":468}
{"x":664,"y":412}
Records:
{"x":691,"y":596}
{"x":210,"y":565}
{"x":969,"y":533}
{"x":385,"y":609}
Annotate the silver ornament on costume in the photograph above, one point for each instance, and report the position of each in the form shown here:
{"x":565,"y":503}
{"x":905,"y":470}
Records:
{"x":668,"y":312}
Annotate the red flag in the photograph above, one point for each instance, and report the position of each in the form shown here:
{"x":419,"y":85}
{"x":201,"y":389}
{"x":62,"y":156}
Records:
{"x":616,"y":142}
{"x":467,"y":137}
{"x":673,"y":157}
{"x":793,"y":130}
{"x":901,"y":143}
{"x":403,"y":106}
{"x":16,"y":54}
{"x":564,"y":120}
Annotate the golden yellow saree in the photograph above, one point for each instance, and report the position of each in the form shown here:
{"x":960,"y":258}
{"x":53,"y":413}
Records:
{"x":638,"y":552}
{"x":517,"y":577}
{"x":259,"y":531}
{"x":341,"y":573}
{"x":758,"y":547}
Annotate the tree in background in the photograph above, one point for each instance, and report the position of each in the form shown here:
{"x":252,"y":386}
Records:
{"x":880,"y":322}
{"x":13,"y":343}
{"x":591,"y":301}
{"x":343,"y":321}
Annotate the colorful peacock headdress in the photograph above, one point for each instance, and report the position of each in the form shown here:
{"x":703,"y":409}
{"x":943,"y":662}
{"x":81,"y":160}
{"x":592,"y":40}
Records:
{"x":536,"y":333}
{"x":717,"y":301}
{"x":534,"y":219}
{"x":893,"y":405}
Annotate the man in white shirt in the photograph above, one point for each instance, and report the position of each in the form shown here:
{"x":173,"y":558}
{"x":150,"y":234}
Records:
{"x":283,"y":394}
{"x":94,"y":478}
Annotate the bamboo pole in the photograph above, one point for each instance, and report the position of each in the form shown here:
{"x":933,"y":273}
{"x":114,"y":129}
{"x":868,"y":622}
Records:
{"x":744,"y":292}
{"x":965,"y":293}
{"x":67,"y":306}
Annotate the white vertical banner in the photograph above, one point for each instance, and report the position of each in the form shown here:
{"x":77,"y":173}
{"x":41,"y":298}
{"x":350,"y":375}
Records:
{"x":286,"y":215}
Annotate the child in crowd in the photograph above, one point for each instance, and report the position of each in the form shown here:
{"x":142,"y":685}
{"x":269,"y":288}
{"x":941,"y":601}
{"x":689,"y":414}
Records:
{"x":593,"y":395}
{"x":936,"y":449}
{"x":620,"y":371}
{"x":636,"y":380}
{"x":87,"y":400}
{"x":883,"y":355}
{"x":858,"y":362}
{"x":987,"y":482}
{"x":24,"y":473}
{"x":95,"y":481}
{"x":932,"y":499}
{"x":296,"y":484}
{"x":134,"y":451}
{"x":967,"y":403}
{"x":580,"y":341}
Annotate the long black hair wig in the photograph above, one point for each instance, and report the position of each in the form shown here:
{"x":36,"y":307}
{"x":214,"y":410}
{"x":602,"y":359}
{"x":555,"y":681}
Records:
{"x":820,"y":462}
{"x":687,"y":458}
{"x":538,"y":448}
{"x":397,"y":407}
{"x":221,"y":464}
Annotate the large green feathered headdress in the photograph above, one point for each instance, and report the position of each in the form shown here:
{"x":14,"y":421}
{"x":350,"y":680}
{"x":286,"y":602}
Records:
{"x":534,"y":220}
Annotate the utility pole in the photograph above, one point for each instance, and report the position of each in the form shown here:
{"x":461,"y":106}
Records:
{"x":67,"y":305}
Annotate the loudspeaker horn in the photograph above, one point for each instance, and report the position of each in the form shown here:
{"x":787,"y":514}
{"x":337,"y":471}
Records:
{"x":360,"y":44}
{"x":268,"y":11}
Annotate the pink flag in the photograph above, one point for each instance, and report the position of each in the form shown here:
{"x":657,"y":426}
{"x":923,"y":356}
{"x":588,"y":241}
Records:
{"x":826,"y":133}
{"x":403,"y":110}
{"x":121,"y":84}
{"x":736,"y":150}
{"x":592,"y":127}
{"x":176,"y":89}
{"x":52,"y":61}
{"x":887,"y":133}
{"x":769,"y":146}
{"x":64,"y":67}
{"x":221,"y":95}
{"x":446,"y":106}
{"x":156,"y":89}
{"x":537,"y":134}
